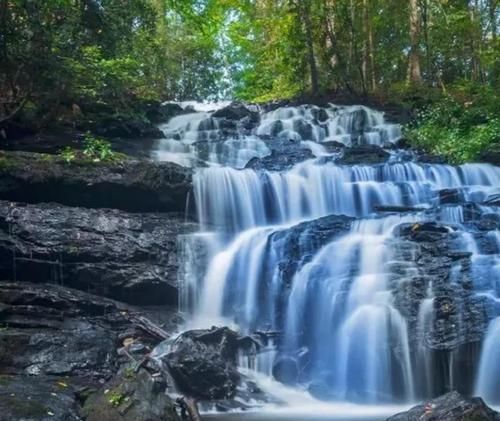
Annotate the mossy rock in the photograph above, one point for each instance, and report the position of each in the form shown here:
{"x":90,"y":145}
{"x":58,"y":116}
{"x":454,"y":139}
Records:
{"x":131,"y":396}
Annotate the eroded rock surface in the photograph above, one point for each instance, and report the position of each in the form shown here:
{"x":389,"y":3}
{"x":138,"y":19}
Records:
{"x":130,"y":185}
{"x":130,"y":257}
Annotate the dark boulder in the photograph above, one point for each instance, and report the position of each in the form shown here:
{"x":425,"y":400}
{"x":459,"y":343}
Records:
{"x":320,"y":114}
{"x":450,"y":196}
{"x":303,"y":128}
{"x":236,"y":111}
{"x":364,"y":154}
{"x":450,"y":407}
{"x":130,"y":185}
{"x":422,"y":232}
{"x":281,"y":161}
{"x":203,"y":363}
{"x":159,"y":113}
{"x":129,"y":257}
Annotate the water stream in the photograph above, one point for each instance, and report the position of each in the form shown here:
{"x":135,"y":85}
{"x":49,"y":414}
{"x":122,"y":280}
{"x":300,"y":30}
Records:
{"x":303,"y":250}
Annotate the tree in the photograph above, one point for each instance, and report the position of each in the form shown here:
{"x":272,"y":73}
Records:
{"x":414,"y":73}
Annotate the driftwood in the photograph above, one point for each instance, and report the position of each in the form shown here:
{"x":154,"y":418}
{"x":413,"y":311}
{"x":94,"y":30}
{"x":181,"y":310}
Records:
{"x":189,"y":409}
{"x":149,"y":327}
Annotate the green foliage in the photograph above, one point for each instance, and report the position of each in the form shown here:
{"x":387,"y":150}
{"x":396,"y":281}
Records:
{"x":68,"y":154}
{"x":460,"y":131}
{"x":105,"y":56}
{"x":116,"y":398}
{"x":97,"y":149}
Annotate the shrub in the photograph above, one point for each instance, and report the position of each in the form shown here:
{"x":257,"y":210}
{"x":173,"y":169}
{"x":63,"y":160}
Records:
{"x":458,"y":130}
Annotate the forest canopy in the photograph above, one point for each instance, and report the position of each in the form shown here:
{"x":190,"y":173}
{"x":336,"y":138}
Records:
{"x":60,"y":57}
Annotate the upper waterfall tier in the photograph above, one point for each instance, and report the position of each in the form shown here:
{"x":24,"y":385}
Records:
{"x":228,"y":137}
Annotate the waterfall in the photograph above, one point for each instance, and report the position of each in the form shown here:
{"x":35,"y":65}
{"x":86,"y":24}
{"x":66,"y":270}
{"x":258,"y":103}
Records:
{"x":304,"y":251}
{"x":242,"y":199}
{"x":488,"y":383}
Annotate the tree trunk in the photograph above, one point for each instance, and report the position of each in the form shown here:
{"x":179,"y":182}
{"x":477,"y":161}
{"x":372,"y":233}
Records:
{"x":475,"y":70}
{"x":369,"y":55}
{"x":493,"y":19}
{"x":306,"y":10}
{"x":425,"y":23}
{"x":414,"y":72}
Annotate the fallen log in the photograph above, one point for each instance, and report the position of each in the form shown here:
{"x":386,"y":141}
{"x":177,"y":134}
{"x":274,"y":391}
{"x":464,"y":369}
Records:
{"x":149,"y":327}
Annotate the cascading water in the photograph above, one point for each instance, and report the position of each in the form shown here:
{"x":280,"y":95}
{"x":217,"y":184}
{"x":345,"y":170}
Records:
{"x":303,"y":251}
{"x":203,"y":137}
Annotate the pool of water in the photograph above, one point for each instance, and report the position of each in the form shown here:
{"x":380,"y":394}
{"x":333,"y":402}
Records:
{"x":327,"y":412}
{"x":290,"y":417}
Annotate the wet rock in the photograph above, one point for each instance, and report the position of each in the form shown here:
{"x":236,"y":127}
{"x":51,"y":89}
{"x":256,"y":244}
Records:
{"x":363,"y":154}
{"x":126,"y":256}
{"x":422,"y":232}
{"x":488,"y":222}
{"x":427,"y":158}
{"x":131,"y":396}
{"x":320,"y":114}
{"x":158,"y":113}
{"x":300,"y":243}
{"x":450,"y":407}
{"x":424,"y":257}
{"x":236,"y":111}
{"x":57,"y":331}
{"x":493,"y":200}
{"x":450,"y":196}
{"x":132,"y":185}
{"x":304,"y":129}
{"x":203,"y":363}
{"x":281,"y":161}
{"x":58,"y":346}
{"x":24,"y":398}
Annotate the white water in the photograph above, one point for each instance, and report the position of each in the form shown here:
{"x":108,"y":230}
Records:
{"x":238,"y":200}
{"x":488,"y":383}
{"x":335,"y":305}
{"x":235,"y":147}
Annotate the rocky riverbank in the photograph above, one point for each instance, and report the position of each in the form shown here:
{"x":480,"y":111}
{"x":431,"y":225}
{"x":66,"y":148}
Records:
{"x":88,"y":269}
